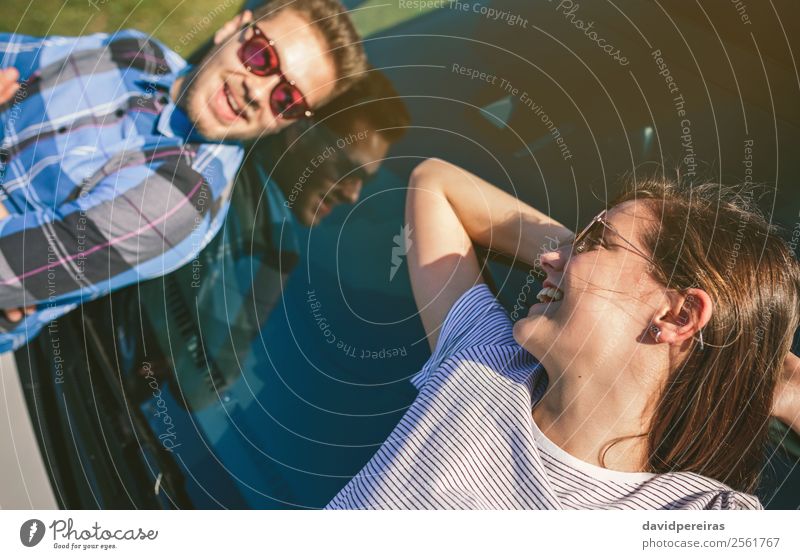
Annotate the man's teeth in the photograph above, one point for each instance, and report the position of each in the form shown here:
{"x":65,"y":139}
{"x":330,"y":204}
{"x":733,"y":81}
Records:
{"x":232,"y":101}
{"x":549,"y":295}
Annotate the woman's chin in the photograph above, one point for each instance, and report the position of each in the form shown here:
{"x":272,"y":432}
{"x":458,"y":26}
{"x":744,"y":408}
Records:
{"x":525,"y":328}
{"x":543,"y":309}
{"x":535,"y":324}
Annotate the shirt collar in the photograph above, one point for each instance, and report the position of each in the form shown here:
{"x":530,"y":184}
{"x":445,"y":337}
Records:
{"x":172,"y":122}
{"x":161,"y":81}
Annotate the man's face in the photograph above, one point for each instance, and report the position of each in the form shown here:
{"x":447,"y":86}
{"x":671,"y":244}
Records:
{"x":225,"y":101}
{"x":327,"y":189}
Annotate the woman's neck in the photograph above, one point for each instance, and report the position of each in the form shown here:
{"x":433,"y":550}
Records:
{"x":585,"y":410}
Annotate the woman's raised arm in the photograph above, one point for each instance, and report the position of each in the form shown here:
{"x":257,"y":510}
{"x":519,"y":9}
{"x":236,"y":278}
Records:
{"x":447,"y":209}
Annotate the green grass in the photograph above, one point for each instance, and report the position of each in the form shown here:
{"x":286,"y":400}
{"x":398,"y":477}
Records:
{"x":374,"y":16}
{"x":181,"y":25}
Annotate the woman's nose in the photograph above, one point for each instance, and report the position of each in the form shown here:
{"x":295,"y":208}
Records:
{"x":554,"y":260}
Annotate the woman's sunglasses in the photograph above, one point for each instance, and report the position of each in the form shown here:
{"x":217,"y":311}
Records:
{"x":260,"y":58}
{"x":593,"y":235}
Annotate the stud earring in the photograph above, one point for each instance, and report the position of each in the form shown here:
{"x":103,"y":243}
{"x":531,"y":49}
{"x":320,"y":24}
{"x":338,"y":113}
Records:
{"x":656,"y":332}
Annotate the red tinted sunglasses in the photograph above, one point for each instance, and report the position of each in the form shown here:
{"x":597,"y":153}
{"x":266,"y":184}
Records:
{"x":260,"y":58}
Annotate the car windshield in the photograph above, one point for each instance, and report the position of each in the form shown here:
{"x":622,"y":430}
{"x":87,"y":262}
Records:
{"x":270,"y":368}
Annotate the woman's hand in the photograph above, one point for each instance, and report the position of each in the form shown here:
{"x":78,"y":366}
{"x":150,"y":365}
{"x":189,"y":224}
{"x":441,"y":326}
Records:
{"x":786,"y":405}
{"x":8,"y":84}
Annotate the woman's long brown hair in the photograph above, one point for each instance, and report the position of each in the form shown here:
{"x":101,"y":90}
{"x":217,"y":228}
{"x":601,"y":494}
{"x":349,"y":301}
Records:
{"x":712,"y":415}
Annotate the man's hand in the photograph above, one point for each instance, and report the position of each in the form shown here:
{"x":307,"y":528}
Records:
{"x":786,"y":405}
{"x":8,"y":84}
{"x":15,"y":315}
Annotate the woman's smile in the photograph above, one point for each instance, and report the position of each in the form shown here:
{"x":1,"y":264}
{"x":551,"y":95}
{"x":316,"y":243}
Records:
{"x":550,"y":294}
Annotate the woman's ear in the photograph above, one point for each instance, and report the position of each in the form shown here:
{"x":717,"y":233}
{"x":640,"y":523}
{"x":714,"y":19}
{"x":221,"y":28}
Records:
{"x":684,"y":315}
{"x":232,"y":26}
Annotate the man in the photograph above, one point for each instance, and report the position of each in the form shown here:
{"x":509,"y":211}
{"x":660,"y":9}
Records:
{"x":213,"y":308}
{"x":117,"y":158}
{"x":342,"y":153}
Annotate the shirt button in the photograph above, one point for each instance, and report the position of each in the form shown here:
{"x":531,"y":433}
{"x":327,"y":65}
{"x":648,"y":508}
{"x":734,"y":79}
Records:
{"x":119,"y":112}
{"x":62,"y":129}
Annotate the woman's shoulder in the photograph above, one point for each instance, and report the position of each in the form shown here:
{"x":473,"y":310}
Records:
{"x":735,"y":500}
{"x":695,"y":491}
{"x":477,"y":318}
{"x":477,"y":328}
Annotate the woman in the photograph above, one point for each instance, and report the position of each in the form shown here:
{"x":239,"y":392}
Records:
{"x":662,"y":330}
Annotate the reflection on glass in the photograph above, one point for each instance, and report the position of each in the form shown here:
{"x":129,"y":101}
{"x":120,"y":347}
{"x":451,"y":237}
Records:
{"x":216,"y":305}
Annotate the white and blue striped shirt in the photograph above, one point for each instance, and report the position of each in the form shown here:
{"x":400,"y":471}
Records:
{"x":468,"y":441}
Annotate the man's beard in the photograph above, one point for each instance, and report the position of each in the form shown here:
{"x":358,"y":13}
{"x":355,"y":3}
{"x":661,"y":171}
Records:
{"x":188,"y":101}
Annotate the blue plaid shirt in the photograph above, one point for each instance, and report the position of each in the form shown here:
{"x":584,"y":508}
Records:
{"x":105,"y":180}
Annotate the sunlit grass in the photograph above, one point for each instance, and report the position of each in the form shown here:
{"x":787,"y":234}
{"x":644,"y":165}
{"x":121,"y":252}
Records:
{"x":375,"y":16}
{"x":182,"y":25}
